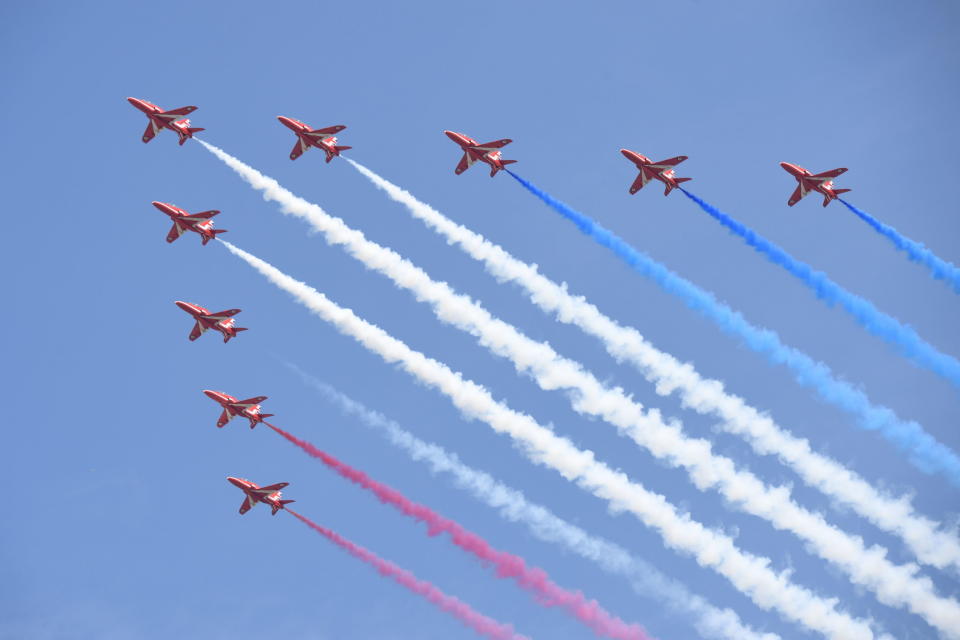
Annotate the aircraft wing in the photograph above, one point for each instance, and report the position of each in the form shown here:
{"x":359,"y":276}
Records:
{"x":198,"y":330}
{"x":175,"y":232}
{"x":798,"y":194}
{"x":150,"y":131}
{"x":248,"y":503}
{"x":669,"y":162}
{"x":638,"y":183}
{"x":251,"y":401}
{"x":204,"y":215}
{"x":645,"y":176}
{"x":496,"y":144}
{"x":223,"y":314}
{"x":224,"y":418}
{"x":329,"y":131}
{"x":465,"y":162}
{"x":271,"y":488}
{"x":182,"y":111}
{"x":833,"y":173}
{"x":298,"y":149}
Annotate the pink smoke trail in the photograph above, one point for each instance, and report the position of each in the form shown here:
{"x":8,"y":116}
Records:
{"x":477,"y":621}
{"x":507,"y":565}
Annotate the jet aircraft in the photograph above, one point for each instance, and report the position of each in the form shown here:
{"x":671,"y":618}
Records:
{"x":320,"y":138}
{"x":269,"y":495}
{"x":649,"y":170}
{"x":183,"y":221}
{"x":819,"y":182}
{"x":222,"y":321}
{"x":160,"y":119}
{"x":473,"y":151}
{"x":249,"y":408}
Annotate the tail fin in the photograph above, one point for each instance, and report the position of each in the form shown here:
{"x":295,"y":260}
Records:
{"x":335,"y":152}
{"x":227,"y":336}
{"x":282,"y":505}
{"x":215,"y":233}
{"x":187,"y":132}
{"x":503,"y":163}
{"x":668,"y":189}
{"x":263,"y":417}
{"x":839,"y":191}
{"x":679,"y":180}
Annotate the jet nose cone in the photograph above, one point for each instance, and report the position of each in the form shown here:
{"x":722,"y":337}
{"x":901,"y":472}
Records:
{"x":213,"y":395}
{"x":237,"y":482}
{"x":132,"y":100}
{"x":182,"y":305}
{"x":453,"y":135}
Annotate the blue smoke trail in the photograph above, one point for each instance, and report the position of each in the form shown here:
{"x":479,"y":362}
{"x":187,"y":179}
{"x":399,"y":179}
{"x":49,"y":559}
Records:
{"x":924,"y":452}
{"x":886,"y":327}
{"x":940,"y":269}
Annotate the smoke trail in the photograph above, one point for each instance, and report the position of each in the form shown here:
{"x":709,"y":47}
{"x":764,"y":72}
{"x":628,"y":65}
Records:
{"x":462,"y":611}
{"x":748,"y":573}
{"x":884,"y":326}
{"x":894,"y":515}
{"x":924,"y":451}
{"x":646,"y":580}
{"x":894,"y":585}
{"x":940,"y":269}
{"x":549,"y":594}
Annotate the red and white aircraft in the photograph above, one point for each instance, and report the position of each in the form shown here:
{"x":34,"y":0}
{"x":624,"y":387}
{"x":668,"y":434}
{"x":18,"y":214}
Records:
{"x":222,"y":321}
{"x":473,"y":151}
{"x":650,"y":170}
{"x":819,"y":182}
{"x":320,"y":138}
{"x":183,"y":221}
{"x":160,"y":119}
{"x":269,"y":495}
{"x":249,"y":408}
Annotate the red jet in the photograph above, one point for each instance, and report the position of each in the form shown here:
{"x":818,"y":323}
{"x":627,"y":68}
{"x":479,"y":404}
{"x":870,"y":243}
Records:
{"x":473,"y":151}
{"x":269,"y":495}
{"x":649,"y":170}
{"x":222,"y":321}
{"x":819,"y":182}
{"x":320,"y":138}
{"x":160,"y":119}
{"x":183,"y":221}
{"x":249,"y":408}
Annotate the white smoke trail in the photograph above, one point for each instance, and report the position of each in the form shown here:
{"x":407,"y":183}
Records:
{"x":748,"y":573}
{"x":896,"y":516}
{"x":710,"y":621}
{"x":894,"y":585}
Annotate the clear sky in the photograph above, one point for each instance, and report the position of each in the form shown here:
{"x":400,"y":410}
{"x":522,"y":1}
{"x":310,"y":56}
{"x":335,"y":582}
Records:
{"x":119,"y":522}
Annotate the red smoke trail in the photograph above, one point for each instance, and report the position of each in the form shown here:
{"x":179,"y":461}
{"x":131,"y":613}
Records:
{"x":507,"y":565}
{"x":476,"y":621}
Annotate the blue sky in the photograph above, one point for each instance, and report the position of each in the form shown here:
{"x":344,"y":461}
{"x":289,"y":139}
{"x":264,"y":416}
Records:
{"x":120,"y":523}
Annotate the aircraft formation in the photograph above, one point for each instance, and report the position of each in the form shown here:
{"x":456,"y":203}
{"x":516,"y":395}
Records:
{"x":489,"y":153}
